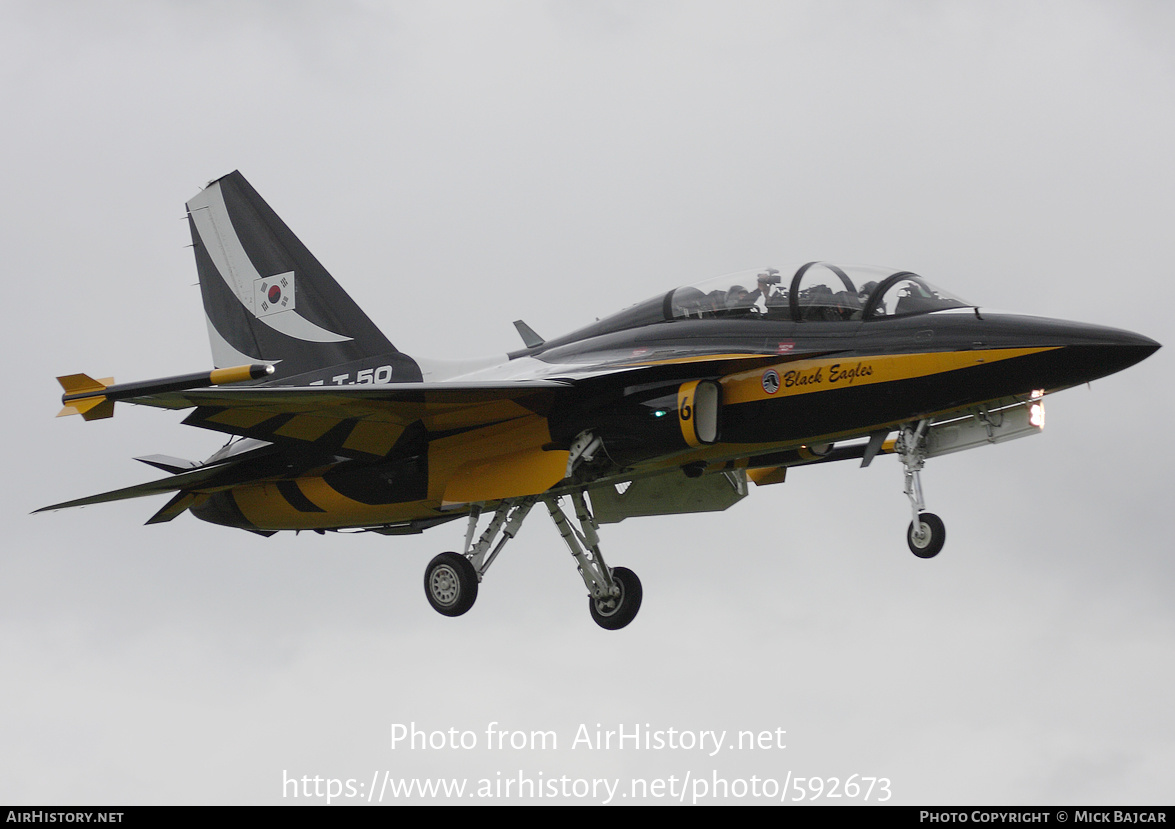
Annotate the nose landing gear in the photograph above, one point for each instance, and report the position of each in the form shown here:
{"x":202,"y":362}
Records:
{"x":927,"y":534}
{"x":926,"y":540}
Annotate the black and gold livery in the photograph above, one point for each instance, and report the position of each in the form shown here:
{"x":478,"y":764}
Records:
{"x":672,"y":405}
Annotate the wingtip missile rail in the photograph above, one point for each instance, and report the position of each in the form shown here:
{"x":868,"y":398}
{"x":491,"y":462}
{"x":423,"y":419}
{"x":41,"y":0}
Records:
{"x":94,"y":399}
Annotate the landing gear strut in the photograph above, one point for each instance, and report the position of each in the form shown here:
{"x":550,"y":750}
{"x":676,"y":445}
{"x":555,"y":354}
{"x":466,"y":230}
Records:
{"x":927,"y":533}
{"x":451,"y":579}
{"x":614,"y":596}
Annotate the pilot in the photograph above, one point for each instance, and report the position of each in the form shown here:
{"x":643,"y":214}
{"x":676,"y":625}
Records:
{"x":864,"y":294}
{"x":766,"y":294}
{"x":736,"y":297}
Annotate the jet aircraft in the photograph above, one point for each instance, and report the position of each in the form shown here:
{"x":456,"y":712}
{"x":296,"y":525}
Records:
{"x":669,"y":406}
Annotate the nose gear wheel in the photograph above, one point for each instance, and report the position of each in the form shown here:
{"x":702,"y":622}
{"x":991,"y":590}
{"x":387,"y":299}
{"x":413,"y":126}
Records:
{"x":927,"y":537}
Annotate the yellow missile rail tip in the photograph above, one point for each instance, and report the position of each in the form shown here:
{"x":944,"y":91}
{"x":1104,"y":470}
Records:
{"x":94,"y":399}
{"x":84,"y":384}
{"x":91,"y":408}
{"x":92,"y":404}
{"x":239,"y":374}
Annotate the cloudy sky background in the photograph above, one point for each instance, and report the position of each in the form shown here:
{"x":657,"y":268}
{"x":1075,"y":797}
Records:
{"x":459,"y":165}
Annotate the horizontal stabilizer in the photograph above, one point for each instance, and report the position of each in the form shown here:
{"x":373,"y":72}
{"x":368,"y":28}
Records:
{"x":204,"y":477}
{"x":168,"y":464}
{"x":175,"y":507}
{"x":136,"y":491}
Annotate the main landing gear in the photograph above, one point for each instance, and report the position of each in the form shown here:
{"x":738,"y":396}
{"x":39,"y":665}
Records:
{"x":926,"y":534}
{"x":450,"y":583}
{"x":451,"y":579}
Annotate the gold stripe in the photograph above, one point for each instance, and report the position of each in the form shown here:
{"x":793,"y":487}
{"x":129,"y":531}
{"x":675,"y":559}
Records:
{"x":374,"y":438}
{"x":241,"y":418}
{"x":685,"y":413}
{"x":306,"y":427}
{"x":700,"y":358}
{"x":265,"y":508}
{"x":452,"y":457}
{"x":441,"y":417}
{"x":528,"y":472}
{"x":835,"y":373}
{"x":768,"y":475}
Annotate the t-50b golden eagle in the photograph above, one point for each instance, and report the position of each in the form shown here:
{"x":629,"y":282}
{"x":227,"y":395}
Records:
{"x":669,"y":406}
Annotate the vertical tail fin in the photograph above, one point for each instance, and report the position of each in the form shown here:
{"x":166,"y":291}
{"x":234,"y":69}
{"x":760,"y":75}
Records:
{"x":267,"y":299}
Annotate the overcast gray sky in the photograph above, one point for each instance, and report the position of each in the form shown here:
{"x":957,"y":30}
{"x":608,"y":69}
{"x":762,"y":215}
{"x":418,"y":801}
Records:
{"x":460,"y":165}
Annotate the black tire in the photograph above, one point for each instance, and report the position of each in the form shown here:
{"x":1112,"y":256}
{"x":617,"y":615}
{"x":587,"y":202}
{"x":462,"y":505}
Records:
{"x":934,"y":535}
{"x":450,"y":584}
{"x":624,"y":610}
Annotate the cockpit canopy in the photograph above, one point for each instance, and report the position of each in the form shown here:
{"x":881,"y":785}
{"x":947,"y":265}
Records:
{"x":814,"y":292}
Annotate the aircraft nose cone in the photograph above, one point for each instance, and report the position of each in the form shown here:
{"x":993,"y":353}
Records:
{"x":1144,"y":346}
{"x":1125,"y":339}
{"x":1075,"y":352}
{"x":1120,"y":350}
{"x":1094,"y":351}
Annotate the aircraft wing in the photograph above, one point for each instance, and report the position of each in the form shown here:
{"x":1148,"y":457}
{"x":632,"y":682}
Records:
{"x":359,"y":421}
{"x":428,"y":397}
{"x":364,"y":421}
{"x":367,"y":420}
